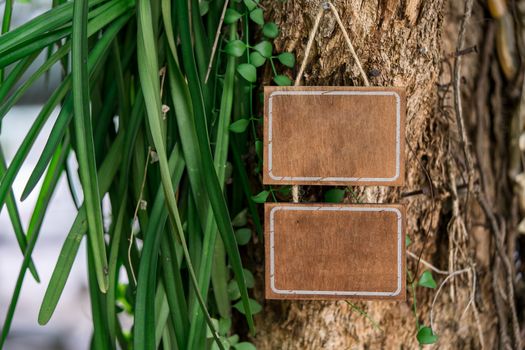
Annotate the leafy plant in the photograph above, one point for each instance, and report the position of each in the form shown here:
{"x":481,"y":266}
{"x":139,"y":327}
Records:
{"x":159,"y":125}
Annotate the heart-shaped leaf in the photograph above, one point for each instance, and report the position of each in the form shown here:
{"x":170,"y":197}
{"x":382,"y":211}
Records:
{"x":243,"y":235}
{"x":270,"y":30}
{"x":254,"y":306}
{"x":248,"y":72}
{"x":427,"y":280}
{"x":239,"y":126}
{"x":257,"y":16}
{"x":426,"y":336}
{"x":257,"y":59}
{"x":231,"y":16}
{"x":250,"y":4}
{"x":264,"y":48}
{"x":282,"y":80}
{"x":261,"y":197}
{"x":235,"y":48}
{"x":287,"y":58}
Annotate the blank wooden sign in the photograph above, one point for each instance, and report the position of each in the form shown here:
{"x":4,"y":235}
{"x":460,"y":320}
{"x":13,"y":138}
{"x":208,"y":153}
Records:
{"x":331,"y":251}
{"x":334,"y":135}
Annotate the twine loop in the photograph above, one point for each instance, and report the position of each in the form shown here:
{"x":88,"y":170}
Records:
{"x":325,"y":6}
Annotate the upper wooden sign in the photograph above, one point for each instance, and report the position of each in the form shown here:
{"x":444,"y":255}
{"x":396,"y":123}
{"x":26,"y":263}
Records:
{"x":334,"y":251}
{"x":334,"y":135}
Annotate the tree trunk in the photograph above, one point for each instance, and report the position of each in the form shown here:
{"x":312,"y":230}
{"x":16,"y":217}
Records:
{"x":412,"y":43}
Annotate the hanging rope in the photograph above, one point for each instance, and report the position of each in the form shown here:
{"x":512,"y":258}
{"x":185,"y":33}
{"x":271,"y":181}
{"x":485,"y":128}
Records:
{"x":325,"y":6}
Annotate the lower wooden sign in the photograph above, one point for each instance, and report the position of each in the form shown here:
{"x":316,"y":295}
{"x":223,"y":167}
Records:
{"x":335,"y":251}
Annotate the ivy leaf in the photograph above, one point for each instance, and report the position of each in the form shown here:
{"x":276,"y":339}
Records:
{"x":257,"y":16}
{"x":231,"y":16}
{"x":282,"y":80}
{"x":287,"y":58}
{"x":248,"y":72}
{"x":335,"y":195}
{"x":426,"y":336}
{"x":426,"y":280}
{"x":257,"y":59}
{"x":235,"y":48}
{"x":240,"y":219}
{"x":204,"y":6}
{"x":224,"y":325}
{"x":239,"y":126}
{"x":250,"y":4}
{"x":264,"y":48}
{"x":243,"y":235}
{"x":254,"y":306}
{"x":233,"y":290}
{"x":261,"y":197}
{"x":248,"y":277}
{"x":407,"y":241}
{"x":244,"y":346}
{"x":270,"y":30}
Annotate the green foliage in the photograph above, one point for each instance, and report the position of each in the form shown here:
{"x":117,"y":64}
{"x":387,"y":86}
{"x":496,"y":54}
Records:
{"x":261,"y":197}
{"x":164,"y":169}
{"x":425,"y":335}
{"x":287,"y":58}
{"x":427,"y":280}
{"x":334,"y":195}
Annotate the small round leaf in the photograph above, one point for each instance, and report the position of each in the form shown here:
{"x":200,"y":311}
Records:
{"x":287,"y":58}
{"x":239,"y":126}
{"x":257,"y":16}
{"x":257,"y":59}
{"x":426,"y":336}
{"x":248,"y":72}
{"x":254,"y":306}
{"x":335,"y":195}
{"x":426,"y":280}
{"x":261,"y":197}
{"x":243,"y":235}
{"x":231,"y":16}
{"x":270,"y":30}
{"x":264,"y":48}
{"x":282,"y":80}
{"x":244,"y":346}
{"x":235,"y":48}
{"x":248,"y":276}
{"x":250,"y":4}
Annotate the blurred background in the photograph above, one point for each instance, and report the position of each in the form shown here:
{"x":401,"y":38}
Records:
{"x":71,"y":323}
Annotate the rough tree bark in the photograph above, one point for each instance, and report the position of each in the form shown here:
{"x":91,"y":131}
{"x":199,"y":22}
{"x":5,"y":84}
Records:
{"x":412,"y":43}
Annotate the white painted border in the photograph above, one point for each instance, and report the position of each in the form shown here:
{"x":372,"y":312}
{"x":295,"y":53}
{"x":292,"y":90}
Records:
{"x":336,"y":208}
{"x":336,"y":179}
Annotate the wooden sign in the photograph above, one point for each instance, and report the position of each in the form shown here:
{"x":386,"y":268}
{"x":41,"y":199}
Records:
{"x":334,"y":135}
{"x":333,"y":251}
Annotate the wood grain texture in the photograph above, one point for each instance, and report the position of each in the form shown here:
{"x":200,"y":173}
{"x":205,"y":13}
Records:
{"x":334,"y":135}
{"x":334,"y":251}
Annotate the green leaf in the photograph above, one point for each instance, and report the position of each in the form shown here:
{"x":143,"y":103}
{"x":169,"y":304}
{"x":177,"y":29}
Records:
{"x":245,"y":346}
{"x":254,"y":306}
{"x":250,"y":4}
{"x":257,"y":16}
{"x":250,"y":280}
{"x":426,"y":336}
{"x":248,"y":72}
{"x":287,"y":58}
{"x":335,"y":195}
{"x":204,"y":7}
{"x":234,"y":339}
{"x":257,"y":59}
{"x":243,"y":236}
{"x":407,"y":241}
{"x":240,"y":219}
{"x":233,"y":290}
{"x":264,"y":48}
{"x":261,"y":197}
{"x":426,"y":280}
{"x":224,"y":325}
{"x":282,"y":80}
{"x":270,"y":30}
{"x":259,"y":148}
{"x":239,"y":126}
{"x":235,"y":48}
{"x":231,"y":16}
